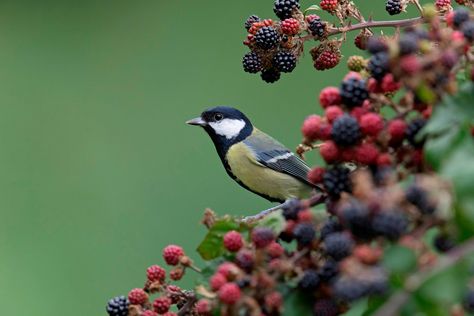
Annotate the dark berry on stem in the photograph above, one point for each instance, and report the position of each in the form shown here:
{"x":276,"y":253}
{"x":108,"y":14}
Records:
{"x":412,"y":132}
{"x":408,"y":44}
{"x":309,"y":281}
{"x":317,"y":27}
{"x":443,"y":242}
{"x":376,"y":45}
{"x":332,"y":225}
{"x":284,"y":8}
{"x":270,"y":75}
{"x":252,"y":63}
{"x":379,"y":65}
{"x":393,"y":7}
{"x":461,"y":15}
{"x":353,"y":92}
{"x":350,"y":290}
{"x":118,"y":306}
{"x":284,"y":61}
{"x":390,"y":224}
{"x":337,"y":180}
{"x":345,"y":131}
{"x":304,"y":233}
{"x":468,"y":30}
{"x":338,"y":246}
{"x":251,"y":20}
{"x":267,"y":37}
{"x":356,"y":217}
{"x":418,"y":197}
{"x":262,"y":236}
{"x":329,"y":270}
{"x":325,"y":307}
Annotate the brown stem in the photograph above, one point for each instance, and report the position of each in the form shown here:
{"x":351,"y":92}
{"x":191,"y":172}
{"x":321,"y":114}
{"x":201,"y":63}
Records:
{"x":415,"y":281}
{"x":186,"y":309}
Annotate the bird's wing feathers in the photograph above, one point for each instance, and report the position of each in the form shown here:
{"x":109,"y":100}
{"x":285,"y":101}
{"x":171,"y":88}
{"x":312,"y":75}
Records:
{"x":274,"y":155}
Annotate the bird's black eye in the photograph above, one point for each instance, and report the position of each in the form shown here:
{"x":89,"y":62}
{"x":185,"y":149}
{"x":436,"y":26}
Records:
{"x":218,"y":117}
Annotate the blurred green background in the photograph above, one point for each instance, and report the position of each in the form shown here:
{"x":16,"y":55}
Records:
{"x":98,"y":171}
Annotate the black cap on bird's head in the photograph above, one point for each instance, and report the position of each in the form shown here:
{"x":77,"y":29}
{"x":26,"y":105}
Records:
{"x":225,"y":125}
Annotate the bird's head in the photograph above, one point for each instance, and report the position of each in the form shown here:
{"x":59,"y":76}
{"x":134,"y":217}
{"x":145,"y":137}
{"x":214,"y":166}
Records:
{"x":225,"y":125}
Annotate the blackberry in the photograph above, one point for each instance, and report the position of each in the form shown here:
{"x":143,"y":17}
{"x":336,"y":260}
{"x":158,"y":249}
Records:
{"x":350,"y":290}
{"x":468,"y":301}
{"x":412,"y":132}
{"x":245,"y":259}
{"x":337,"y":180}
{"x":443,"y":243}
{"x":262,"y":236}
{"x":251,"y":20}
{"x":266,"y":37}
{"x":460,"y":16}
{"x":309,"y":281}
{"x":390,"y":224}
{"x":252,"y":63}
{"x":345,"y":131}
{"x":338,"y":246}
{"x":393,"y":7}
{"x":304,"y":233}
{"x":353,"y":92}
{"x":284,"y":61}
{"x":379,"y":65}
{"x":376,"y":45}
{"x":357,"y":219}
{"x":291,"y":209}
{"x":468,"y":30}
{"x":284,"y":8}
{"x":418,"y":197}
{"x":325,"y":307}
{"x":317,"y":27}
{"x":332,"y":225}
{"x":270,"y":75}
{"x":329,"y":270}
{"x":118,"y":306}
{"x":408,"y":44}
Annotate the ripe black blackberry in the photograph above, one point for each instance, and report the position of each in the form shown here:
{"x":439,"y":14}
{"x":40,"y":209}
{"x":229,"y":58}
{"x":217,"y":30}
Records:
{"x":418,"y":197}
{"x":356,"y":217}
{"x":460,"y":16}
{"x":251,"y":20}
{"x":379,"y":65}
{"x":304,"y":233}
{"x":376,"y":45}
{"x":443,"y":242}
{"x":345,"y":131}
{"x":390,"y":224}
{"x":252,"y":63}
{"x":328,"y":271}
{"x":408,"y":44}
{"x":284,"y":8}
{"x":332,"y":225}
{"x":394,"y":7}
{"x":468,"y":30}
{"x":337,"y":180}
{"x":325,"y":307}
{"x":267,"y":37}
{"x":412,"y":132}
{"x":468,"y":301}
{"x":284,"y":61}
{"x":338,"y":246}
{"x":117,"y":306}
{"x":291,"y":209}
{"x":353,"y":92}
{"x":317,"y":27}
{"x":349,"y":290}
{"x":309,"y":281}
{"x":270,"y":75}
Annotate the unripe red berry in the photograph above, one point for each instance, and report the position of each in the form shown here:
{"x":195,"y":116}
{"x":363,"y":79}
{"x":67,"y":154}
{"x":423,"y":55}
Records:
{"x":358,"y":112}
{"x":442,"y":4}
{"x":155,"y":273}
{"x":384,"y":159}
{"x":233,"y":241}
{"x":329,"y":5}
{"x":290,"y":26}
{"x":333,"y":112}
{"x":361,"y":40}
{"x":137,"y":296}
{"x":273,"y":301}
{"x":352,"y":74}
{"x":228,"y":269}
{"x":410,"y":64}
{"x":367,"y":254}
{"x":327,"y":59}
{"x":316,"y":175}
{"x":162,"y":304}
{"x":217,"y":281}
{"x":275,"y":250}
{"x":149,"y":313}
{"x":389,"y":84}
{"x":371,"y":124}
{"x":305,"y":215}
{"x":172,"y":254}
{"x":324,"y":131}
{"x":229,"y":293}
{"x":329,"y":96}
{"x":348,"y":154}
{"x":203,"y":307}
{"x":177,"y":274}
{"x":262,"y":236}
{"x":396,"y":130}
{"x":329,"y":151}
{"x":366,"y":154}
{"x":310,"y":128}
{"x":170,"y":314}
{"x":311,"y":17}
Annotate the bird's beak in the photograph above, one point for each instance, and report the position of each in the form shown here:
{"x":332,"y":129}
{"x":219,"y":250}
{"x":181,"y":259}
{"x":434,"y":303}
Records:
{"x":198,"y":121}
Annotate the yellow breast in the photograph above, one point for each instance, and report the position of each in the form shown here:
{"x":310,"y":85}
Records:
{"x":261,"y":179}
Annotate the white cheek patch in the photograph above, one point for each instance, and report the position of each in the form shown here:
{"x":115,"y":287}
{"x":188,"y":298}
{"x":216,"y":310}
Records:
{"x":229,"y":128}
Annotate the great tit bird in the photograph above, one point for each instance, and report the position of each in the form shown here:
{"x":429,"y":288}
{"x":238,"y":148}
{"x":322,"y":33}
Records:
{"x":255,"y":160}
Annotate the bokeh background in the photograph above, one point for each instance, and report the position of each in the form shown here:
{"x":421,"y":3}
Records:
{"x":98,"y":171}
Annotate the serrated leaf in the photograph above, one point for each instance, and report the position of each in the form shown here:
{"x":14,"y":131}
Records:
{"x":212,"y":246}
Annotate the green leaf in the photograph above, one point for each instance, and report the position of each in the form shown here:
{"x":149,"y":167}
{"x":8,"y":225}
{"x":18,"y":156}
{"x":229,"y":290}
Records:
{"x":399,"y":259}
{"x":212,"y":246}
{"x":312,"y":8}
{"x":358,"y":308}
{"x":297,"y":303}
{"x":275,"y":221}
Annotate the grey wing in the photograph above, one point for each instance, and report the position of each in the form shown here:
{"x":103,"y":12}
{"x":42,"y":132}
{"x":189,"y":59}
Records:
{"x":274,"y":155}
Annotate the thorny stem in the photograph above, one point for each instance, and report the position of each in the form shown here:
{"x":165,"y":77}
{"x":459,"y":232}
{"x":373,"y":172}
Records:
{"x":415,"y":281}
{"x":186,"y":309}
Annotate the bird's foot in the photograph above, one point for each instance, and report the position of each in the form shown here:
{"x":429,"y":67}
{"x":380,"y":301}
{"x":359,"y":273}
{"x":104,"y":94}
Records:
{"x":264,"y":213}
